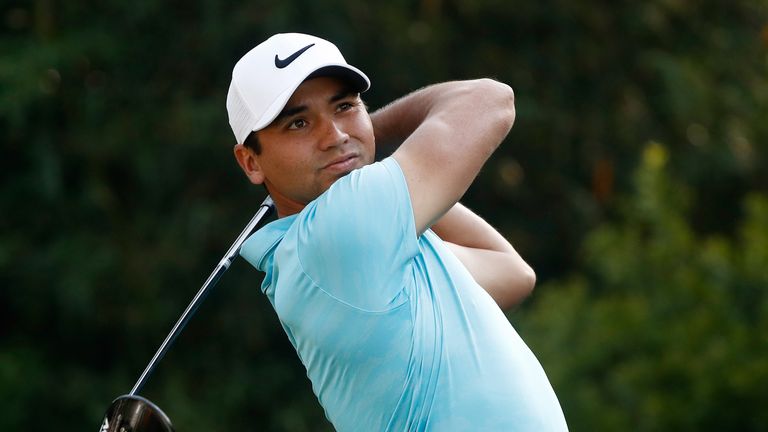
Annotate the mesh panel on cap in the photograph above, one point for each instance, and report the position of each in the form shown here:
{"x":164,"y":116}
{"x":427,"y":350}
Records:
{"x":240,"y":117}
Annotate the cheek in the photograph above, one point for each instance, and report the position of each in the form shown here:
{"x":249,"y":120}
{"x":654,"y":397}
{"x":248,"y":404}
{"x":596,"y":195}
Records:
{"x":364,"y":132}
{"x":292,"y":166}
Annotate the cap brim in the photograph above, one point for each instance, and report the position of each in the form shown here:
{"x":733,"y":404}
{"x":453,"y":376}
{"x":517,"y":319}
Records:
{"x":347,"y":73}
{"x":350,"y":74}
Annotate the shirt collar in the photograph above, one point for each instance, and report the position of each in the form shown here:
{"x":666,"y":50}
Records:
{"x":261,"y":244}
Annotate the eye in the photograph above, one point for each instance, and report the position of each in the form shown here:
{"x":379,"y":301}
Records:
{"x":297,"y":124}
{"x":344,"y":106}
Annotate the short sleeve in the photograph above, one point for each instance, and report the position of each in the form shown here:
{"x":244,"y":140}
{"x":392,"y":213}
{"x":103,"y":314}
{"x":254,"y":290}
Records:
{"x":358,"y":239}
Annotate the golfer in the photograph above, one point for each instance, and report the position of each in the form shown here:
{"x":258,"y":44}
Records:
{"x":389,"y":289}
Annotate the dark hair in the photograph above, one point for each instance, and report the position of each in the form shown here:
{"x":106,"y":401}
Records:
{"x":252,"y":142}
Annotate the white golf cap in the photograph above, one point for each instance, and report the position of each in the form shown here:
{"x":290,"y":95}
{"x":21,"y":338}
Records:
{"x":265,"y":78}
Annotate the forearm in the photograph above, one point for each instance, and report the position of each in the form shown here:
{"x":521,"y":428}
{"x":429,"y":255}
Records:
{"x":393,"y":123}
{"x":456,"y":102}
{"x":487,"y":255}
{"x":462,"y":226}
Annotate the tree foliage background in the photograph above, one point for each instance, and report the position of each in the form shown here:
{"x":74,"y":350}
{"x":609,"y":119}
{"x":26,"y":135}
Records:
{"x":633,"y":182}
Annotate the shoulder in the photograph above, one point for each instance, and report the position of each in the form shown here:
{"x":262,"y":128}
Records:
{"x":372,"y":192}
{"x":358,"y":237}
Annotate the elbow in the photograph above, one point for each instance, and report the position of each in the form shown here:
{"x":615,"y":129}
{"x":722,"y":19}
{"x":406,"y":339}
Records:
{"x":500,"y":99}
{"x":524,"y":282}
{"x":507,"y":108}
{"x":518,"y":289}
{"x":528,"y":281}
{"x":506,"y":101}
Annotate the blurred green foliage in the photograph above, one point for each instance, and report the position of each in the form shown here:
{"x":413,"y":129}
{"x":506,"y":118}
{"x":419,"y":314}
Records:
{"x":633,"y":181}
{"x":660,"y":328}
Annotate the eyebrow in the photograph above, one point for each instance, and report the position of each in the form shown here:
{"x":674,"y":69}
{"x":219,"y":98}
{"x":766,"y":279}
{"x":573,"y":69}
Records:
{"x":291,"y":111}
{"x":345,"y":92}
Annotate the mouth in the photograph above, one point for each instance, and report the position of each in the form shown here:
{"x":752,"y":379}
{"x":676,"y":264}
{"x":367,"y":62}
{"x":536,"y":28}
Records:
{"x":343,"y":164}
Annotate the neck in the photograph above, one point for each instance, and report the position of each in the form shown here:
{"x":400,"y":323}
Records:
{"x":287,"y":209}
{"x":283,"y":205}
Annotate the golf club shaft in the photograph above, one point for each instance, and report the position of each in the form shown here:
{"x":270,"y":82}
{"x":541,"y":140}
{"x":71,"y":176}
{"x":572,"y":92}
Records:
{"x":222,"y":267}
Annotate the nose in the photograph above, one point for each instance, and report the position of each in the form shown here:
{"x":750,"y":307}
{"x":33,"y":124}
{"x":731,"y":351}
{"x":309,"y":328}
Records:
{"x":332,"y":134}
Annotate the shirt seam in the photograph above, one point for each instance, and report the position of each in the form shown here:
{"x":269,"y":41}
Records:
{"x":338,"y":300}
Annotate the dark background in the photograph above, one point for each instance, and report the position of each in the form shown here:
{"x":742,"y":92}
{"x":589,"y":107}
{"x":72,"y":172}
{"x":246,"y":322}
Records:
{"x":633,"y":181}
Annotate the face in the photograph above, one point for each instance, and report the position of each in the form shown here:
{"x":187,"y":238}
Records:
{"x":323,"y":133}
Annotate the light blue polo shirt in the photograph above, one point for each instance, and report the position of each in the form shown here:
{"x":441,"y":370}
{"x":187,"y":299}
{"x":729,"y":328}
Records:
{"x":394,"y":332}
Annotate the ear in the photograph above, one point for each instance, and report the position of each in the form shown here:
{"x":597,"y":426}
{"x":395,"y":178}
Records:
{"x":249,"y":163}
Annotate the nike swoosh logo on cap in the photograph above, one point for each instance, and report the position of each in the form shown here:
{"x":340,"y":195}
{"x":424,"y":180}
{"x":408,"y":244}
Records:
{"x":283,"y":63}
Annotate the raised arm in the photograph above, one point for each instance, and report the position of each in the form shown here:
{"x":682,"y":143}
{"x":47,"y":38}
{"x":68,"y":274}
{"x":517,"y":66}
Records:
{"x":447,"y":131}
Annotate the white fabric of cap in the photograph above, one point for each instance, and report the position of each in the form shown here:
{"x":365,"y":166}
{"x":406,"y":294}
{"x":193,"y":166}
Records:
{"x":265,"y":78}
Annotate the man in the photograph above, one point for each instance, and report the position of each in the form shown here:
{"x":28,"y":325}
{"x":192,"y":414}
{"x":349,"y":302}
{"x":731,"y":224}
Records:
{"x":384,"y":284}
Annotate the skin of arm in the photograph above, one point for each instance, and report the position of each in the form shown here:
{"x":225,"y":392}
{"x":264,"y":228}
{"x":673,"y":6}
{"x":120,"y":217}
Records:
{"x":491,"y":260}
{"x":447,"y":132}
